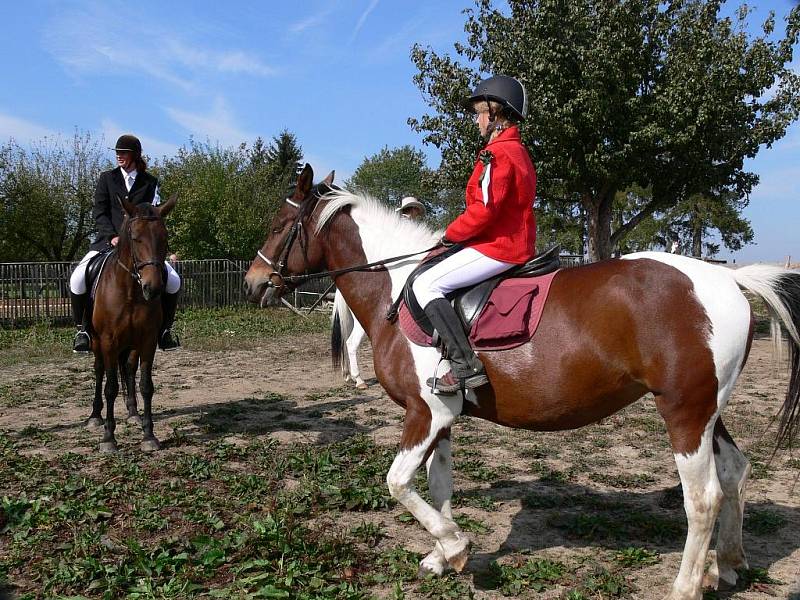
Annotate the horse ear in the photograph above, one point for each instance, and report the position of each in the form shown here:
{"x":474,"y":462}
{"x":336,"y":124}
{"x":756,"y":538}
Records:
{"x":329,"y":179}
{"x":167,"y":207}
{"x":305,"y":181}
{"x":128,"y":207}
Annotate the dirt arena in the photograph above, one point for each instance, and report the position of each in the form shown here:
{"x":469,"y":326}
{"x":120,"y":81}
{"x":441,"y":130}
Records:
{"x":576,"y":496}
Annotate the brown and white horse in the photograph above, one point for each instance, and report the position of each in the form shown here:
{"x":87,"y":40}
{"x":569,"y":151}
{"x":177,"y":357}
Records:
{"x":611,"y":332}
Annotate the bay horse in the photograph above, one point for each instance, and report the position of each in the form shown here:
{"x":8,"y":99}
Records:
{"x":126,"y":319}
{"x":610,"y":332}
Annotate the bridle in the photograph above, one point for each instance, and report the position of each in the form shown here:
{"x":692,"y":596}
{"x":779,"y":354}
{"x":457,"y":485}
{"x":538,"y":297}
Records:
{"x":137,"y":265}
{"x":296,"y":230}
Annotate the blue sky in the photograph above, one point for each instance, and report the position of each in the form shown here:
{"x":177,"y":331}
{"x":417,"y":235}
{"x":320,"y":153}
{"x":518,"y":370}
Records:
{"x":336,"y":73}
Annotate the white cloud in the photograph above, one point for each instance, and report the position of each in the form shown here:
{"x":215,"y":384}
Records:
{"x":218,"y":125}
{"x":98,"y":40}
{"x":363,"y":18}
{"x":22,"y":130}
{"x":312,"y":21}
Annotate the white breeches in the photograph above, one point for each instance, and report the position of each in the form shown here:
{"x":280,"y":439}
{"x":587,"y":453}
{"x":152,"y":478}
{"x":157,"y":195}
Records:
{"x":77,"y":281}
{"x":463,"y":269}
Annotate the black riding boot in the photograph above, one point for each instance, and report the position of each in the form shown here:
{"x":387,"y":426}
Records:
{"x":166,"y":340}
{"x":466,"y":368}
{"x":82,"y":343}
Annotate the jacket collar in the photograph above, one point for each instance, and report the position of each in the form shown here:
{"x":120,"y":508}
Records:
{"x":507,"y":135}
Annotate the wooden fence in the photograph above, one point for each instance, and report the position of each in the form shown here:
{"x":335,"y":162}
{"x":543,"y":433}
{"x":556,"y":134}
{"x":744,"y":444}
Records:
{"x":36,"y":292}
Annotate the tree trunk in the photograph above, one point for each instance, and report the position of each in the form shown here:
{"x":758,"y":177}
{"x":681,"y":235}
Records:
{"x":697,"y":233}
{"x":598,"y":216}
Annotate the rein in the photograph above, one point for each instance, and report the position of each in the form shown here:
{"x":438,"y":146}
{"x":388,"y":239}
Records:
{"x":136,"y":264}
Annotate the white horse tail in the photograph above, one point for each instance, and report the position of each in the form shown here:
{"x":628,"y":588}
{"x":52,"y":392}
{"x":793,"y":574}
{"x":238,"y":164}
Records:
{"x":342,"y":326}
{"x":780,"y":290}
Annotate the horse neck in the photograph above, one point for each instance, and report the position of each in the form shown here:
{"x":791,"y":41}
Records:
{"x":124,"y":256}
{"x":368,"y":293}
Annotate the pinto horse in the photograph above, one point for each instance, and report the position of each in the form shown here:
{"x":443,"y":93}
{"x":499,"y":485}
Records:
{"x":126,"y":319}
{"x":610,"y":332}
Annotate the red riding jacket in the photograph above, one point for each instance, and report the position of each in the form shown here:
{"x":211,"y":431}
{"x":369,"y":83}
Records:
{"x":499,"y":220}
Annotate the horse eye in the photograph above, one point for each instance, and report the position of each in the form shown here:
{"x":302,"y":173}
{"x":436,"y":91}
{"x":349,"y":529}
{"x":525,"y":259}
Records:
{"x":277,"y":230}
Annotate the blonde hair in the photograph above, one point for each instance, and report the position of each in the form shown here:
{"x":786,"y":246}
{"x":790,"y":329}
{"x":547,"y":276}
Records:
{"x":499,"y":111}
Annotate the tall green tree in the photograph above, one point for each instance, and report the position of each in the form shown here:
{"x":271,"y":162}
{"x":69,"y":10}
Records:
{"x":667,"y":96}
{"x":394,"y":173}
{"x":46,"y":193}
{"x":226,"y":196}
{"x":285,"y":153}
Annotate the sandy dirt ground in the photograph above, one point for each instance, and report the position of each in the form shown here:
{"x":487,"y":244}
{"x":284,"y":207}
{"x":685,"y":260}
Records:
{"x":529,"y":478}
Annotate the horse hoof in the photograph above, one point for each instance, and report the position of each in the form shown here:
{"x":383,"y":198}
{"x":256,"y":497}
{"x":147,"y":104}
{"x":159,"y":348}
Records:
{"x":150,"y":445}
{"x":134,"y":420}
{"x":94,"y":423}
{"x":426,"y":571}
{"x":458,"y":558}
{"x":108,"y":447}
{"x":362,"y":386}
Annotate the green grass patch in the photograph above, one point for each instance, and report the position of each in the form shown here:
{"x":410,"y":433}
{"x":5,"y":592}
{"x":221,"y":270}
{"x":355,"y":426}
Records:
{"x":532,"y":575}
{"x":763,"y":522}
{"x":242,"y":327}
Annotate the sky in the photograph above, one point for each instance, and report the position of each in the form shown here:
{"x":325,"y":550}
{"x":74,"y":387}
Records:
{"x":336,"y":73}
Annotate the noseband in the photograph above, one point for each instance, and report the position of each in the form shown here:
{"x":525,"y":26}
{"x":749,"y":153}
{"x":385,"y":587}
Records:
{"x":136,"y":265}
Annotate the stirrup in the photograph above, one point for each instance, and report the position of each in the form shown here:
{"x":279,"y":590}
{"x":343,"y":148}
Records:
{"x":448,"y":384}
{"x":82,"y":344}
{"x":166,"y":342}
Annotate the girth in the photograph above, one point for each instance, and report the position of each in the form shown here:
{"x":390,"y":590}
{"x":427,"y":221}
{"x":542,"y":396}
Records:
{"x":468,"y":302}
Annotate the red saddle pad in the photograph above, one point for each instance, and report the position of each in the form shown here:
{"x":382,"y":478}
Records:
{"x":509,"y":318}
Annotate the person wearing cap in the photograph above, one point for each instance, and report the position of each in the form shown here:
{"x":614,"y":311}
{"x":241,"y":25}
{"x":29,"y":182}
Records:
{"x":411,"y":208}
{"x":496,"y":231}
{"x":131,"y":181}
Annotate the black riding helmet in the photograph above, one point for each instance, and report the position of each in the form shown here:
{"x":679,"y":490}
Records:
{"x":505,"y":90}
{"x":128,"y":143}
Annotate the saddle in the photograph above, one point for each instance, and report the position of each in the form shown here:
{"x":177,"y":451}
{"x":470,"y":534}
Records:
{"x":510,"y":294}
{"x":95,"y":267}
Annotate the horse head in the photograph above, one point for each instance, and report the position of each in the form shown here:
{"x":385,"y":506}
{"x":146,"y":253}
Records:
{"x":142,"y":244}
{"x":291,"y":246}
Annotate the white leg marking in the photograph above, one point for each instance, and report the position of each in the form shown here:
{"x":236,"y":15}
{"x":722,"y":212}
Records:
{"x":440,"y":486}
{"x":733,"y":470}
{"x":702,"y":496}
{"x":450,"y":542}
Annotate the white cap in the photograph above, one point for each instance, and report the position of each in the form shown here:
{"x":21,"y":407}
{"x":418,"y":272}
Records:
{"x":409,"y":202}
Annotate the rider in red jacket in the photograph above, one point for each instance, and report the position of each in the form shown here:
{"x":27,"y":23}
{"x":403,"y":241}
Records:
{"x":496,"y":231}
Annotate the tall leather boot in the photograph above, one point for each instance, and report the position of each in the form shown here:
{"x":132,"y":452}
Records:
{"x":82,"y":344}
{"x":166,"y":340}
{"x":466,"y":369}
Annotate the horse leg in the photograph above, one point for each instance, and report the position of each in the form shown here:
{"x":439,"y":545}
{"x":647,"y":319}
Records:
{"x":109,"y":443}
{"x":353,"y":342}
{"x":425,"y":426}
{"x":149,"y":441}
{"x":733,"y":470}
{"x":130,"y":367}
{"x":440,"y":487}
{"x":96,"y":418}
{"x":702,"y":497}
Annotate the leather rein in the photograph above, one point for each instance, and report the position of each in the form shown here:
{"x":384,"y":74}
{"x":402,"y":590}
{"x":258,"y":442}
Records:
{"x":136,"y":265}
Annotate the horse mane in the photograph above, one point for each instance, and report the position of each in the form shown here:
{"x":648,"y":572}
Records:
{"x":384,"y":232}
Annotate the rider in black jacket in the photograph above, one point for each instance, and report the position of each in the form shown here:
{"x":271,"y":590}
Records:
{"x":131,"y":181}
